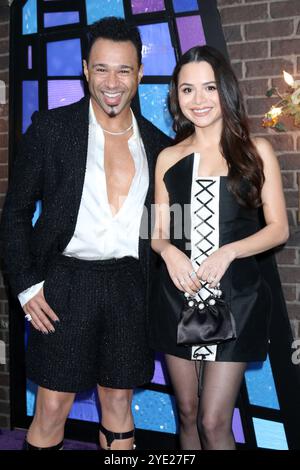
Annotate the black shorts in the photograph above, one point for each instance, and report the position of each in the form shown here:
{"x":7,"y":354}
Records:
{"x":102,"y":336}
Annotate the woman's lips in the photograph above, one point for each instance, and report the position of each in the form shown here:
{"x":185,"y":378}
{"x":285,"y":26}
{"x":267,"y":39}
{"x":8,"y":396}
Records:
{"x":201,"y":112}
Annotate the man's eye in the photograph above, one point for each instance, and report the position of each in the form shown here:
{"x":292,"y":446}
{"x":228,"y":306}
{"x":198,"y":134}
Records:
{"x":124,"y":72}
{"x":100,"y":69}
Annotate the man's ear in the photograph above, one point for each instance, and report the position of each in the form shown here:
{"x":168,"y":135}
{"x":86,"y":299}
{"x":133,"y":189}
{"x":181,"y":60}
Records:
{"x":85,"y":69}
{"x":141,"y":72}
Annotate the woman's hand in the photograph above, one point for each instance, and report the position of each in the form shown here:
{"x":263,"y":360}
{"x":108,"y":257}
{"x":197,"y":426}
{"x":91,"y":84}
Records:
{"x":181,"y":270}
{"x":214,"y":267}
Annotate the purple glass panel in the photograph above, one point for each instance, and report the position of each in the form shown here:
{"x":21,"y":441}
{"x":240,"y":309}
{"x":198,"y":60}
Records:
{"x":63,"y":92}
{"x":147,"y":6}
{"x":29,"y":56}
{"x":190,"y":32}
{"x":61,"y":18}
{"x":237,"y":427}
{"x":30,"y":101}
{"x":158,"y":377}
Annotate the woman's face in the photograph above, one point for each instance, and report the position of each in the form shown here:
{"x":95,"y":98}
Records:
{"x":198,"y":95}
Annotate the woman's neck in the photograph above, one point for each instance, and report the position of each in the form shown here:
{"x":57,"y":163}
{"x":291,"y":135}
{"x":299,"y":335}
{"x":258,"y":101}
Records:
{"x":207,"y":136}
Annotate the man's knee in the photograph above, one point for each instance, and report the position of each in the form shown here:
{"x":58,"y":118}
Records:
{"x":115,"y":399}
{"x":53,"y":407}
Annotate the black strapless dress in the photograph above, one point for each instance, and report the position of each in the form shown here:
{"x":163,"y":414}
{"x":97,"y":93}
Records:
{"x":205,"y":216}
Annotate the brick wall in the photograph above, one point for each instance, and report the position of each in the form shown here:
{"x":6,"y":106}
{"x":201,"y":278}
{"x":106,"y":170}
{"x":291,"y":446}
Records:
{"x":4,"y":64}
{"x":263,"y":38}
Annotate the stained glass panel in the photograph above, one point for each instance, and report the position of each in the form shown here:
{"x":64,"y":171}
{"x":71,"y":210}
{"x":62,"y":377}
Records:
{"x":147,"y":6}
{"x":158,"y":53}
{"x":29,"y":13}
{"x":153,"y":100}
{"x":185,"y":5}
{"x":61,"y":18}
{"x":260,"y":385}
{"x":63,"y":92}
{"x":190,"y":32}
{"x":30,"y":101}
{"x":96,"y":9}
{"x":29,"y":57}
{"x":270,"y":434}
{"x":64,"y":58}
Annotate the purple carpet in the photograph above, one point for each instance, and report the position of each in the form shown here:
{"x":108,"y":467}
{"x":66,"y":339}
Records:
{"x":13,"y":440}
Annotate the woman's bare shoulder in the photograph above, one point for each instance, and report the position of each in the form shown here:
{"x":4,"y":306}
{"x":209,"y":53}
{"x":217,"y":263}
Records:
{"x":171,"y":155}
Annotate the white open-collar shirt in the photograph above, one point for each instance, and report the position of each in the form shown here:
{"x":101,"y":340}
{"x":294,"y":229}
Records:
{"x":98,"y":233}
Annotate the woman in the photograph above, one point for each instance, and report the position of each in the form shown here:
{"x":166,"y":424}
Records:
{"x":209,"y":188}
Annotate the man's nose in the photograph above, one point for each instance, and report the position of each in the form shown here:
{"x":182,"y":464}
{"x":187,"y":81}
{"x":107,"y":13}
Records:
{"x":112,"y":79}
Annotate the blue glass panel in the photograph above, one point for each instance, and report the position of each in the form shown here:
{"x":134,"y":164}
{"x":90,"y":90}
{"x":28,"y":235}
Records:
{"x":154,"y":411}
{"x":153,"y":100}
{"x":31,"y":390}
{"x":30,"y":101}
{"x":61,"y":18}
{"x":158,"y":53}
{"x":64,"y":58}
{"x":29,"y":13}
{"x":85,"y":407}
{"x":95,"y":9}
{"x":270,"y":434}
{"x":260,"y":385}
{"x":38,"y":211}
{"x":185,"y":5}
{"x":63,"y":92}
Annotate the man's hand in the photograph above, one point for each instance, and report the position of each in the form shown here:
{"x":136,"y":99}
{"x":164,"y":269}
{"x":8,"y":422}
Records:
{"x":40,"y":313}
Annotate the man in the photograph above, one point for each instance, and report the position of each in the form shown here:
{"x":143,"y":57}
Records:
{"x":82,"y":273}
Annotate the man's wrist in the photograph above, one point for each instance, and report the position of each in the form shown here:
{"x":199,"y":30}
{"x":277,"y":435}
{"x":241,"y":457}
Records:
{"x":165,"y":251}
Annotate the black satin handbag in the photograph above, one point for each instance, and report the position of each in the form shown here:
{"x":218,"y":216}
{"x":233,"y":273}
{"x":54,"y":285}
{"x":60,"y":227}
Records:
{"x":205,"y":321}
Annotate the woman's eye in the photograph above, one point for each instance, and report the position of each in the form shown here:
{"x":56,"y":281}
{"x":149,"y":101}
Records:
{"x":187,"y":90}
{"x":211,"y":88}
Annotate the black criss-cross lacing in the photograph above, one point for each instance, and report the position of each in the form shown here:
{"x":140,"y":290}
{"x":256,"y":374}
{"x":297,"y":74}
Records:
{"x":205,"y":185}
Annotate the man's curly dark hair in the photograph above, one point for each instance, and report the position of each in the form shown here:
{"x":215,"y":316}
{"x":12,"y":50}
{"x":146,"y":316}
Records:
{"x":114,"y":29}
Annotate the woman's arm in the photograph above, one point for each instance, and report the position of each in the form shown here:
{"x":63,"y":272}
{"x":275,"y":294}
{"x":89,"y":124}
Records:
{"x":273,"y":234}
{"x":178,"y":264}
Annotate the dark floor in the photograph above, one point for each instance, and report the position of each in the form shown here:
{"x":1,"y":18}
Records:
{"x":13,"y":440}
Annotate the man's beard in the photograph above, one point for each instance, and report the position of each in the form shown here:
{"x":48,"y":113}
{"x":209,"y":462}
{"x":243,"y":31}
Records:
{"x":112,"y":111}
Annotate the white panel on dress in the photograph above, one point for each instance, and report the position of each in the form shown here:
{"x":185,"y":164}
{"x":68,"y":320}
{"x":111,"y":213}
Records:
{"x":205,"y":195}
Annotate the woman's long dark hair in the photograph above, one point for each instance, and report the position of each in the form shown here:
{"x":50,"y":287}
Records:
{"x":236,"y":146}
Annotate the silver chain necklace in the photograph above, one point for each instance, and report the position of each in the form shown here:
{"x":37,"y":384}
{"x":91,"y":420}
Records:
{"x":118,"y":133}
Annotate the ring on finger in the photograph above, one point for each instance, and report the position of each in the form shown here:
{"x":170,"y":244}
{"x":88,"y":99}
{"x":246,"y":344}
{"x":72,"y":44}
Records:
{"x":28,"y":317}
{"x":193,"y":275}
